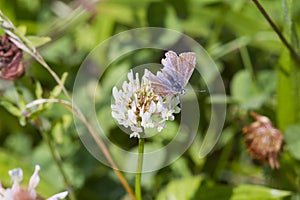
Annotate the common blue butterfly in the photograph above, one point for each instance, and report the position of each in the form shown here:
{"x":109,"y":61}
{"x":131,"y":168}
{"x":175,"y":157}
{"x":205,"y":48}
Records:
{"x":175,"y":74}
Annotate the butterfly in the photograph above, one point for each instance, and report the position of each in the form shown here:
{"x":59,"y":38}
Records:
{"x":175,"y":74}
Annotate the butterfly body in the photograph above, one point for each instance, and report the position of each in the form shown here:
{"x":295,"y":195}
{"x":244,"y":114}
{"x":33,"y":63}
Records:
{"x":175,"y":74}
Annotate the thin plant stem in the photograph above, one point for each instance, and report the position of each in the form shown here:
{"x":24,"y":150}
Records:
{"x":293,"y":52}
{"x":138,"y":177}
{"x":57,"y":159}
{"x":23,"y":43}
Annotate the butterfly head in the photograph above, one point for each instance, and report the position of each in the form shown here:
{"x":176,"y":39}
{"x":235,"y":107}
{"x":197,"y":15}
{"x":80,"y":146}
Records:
{"x":182,"y":92}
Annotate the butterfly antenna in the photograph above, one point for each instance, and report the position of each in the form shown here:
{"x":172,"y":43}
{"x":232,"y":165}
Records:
{"x":201,"y":91}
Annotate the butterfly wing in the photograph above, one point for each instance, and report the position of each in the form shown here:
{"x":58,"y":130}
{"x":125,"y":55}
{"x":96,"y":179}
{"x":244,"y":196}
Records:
{"x":180,"y":68}
{"x":186,"y":66}
{"x":175,"y":74}
{"x":160,"y":83}
{"x":171,"y":68}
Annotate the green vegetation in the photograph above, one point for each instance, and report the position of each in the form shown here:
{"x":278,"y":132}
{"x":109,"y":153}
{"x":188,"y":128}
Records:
{"x":260,"y":69}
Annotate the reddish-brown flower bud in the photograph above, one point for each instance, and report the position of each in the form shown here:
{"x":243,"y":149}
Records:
{"x":11,"y":66}
{"x":263,"y":141}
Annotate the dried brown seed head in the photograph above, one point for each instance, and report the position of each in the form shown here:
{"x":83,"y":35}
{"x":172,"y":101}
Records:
{"x":263,"y":141}
{"x":11,"y":66}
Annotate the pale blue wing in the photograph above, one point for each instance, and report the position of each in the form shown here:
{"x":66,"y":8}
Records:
{"x":160,"y":83}
{"x":175,"y":74}
{"x":171,"y":68}
{"x":179,"y":68}
{"x":186,"y":65}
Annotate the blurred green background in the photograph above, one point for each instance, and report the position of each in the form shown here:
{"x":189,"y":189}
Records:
{"x":256,"y":68}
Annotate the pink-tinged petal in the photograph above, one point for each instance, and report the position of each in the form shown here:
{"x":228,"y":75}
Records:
{"x":35,"y":179}
{"x":58,"y":196}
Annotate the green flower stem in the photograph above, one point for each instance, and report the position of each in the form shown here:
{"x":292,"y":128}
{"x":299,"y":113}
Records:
{"x":138,"y":177}
{"x":56,"y":157}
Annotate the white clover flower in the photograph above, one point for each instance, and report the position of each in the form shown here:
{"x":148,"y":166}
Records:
{"x":18,"y":193}
{"x":137,"y":107}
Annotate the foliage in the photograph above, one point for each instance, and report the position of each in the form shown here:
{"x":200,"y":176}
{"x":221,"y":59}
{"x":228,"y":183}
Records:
{"x":257,"y":69}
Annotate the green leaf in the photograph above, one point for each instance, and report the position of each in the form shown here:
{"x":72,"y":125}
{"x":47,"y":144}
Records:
{"x":287,"y":6}
{"x":22,"y":121}
{"x":112,"y":10}
{"x":59,"y":50}
{"x":180,"y":189}
{"x":19,"y":144}
{"x":38,"y":90}
{"x":252,"y":92}
{"x":226,"y":136}
{"x":57,"y":89}
{"x":22,"y":29}
{"x":10,"y":107}
{"x":256,"y":192}
{"x":286,"y":113}
{"x":38,"y":40}
{"x":29,"y":5}
{"x":181,"y":167}
{"x":194,"y":151}
{"x":245,"y":92}
{"x":156,"y":14}
{"x":89,"y":35}
{"x":292,"y":139}
{"x":33,"y":115}
{"x":218,"y":192}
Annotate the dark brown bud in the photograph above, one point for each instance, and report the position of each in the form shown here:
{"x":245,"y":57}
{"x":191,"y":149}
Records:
{"x":11,"y":66}
{"x":263,"y":141}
